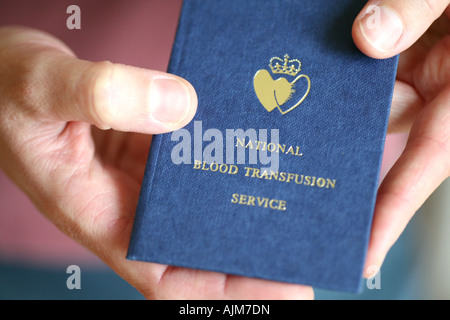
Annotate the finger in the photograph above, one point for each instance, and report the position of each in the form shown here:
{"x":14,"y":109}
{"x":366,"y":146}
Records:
{"x":422,"y":167}
{"x":406,"y":104}
{"x":124,"y":98}
{"x":184,"y":283}
{"x":107,"y":95}
{"x":239,"y":288}
{"x":386,"y":28}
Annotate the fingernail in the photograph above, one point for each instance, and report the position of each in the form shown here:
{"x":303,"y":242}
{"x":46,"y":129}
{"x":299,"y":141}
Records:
{"x":382,"y":27}
{"x":169,"y":100}
{"x":371,"y":271}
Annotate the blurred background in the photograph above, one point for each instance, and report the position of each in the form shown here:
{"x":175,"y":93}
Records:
{"x":34,"y":255}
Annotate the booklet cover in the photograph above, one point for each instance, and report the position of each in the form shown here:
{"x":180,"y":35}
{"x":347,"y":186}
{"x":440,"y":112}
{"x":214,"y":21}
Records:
{"x":276,"y":176}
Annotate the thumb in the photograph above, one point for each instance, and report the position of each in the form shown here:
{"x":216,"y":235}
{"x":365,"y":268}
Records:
{"x":107,"y":95}
{"x":388,"y":27}
{"x":123,"y":98}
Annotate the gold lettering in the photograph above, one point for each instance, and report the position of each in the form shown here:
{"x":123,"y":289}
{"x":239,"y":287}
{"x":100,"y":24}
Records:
{"x":214,"y":167}
{"x":265,"y":175}
{"x":197,"y":164}
{"x":243,"y":199}
{"x":307,"y":181}
{"x":281,"y":148}
{"x":271,"y":205}
{"x":274,"y":175}
{"x":233,"y":167}
{"x":262,"y":201}
{"x":296,"y":180}
{"x":331,"y":183}
{"x":256,"y":173}
{"x":257,"y":146}
{"x":321,"y":182}
{"x":290,"y":150}
{"x":273,"y":147}
{"x":249,"y":200}
{"x":264,"y":145}
{"x":240,"y":142}
{"x":290,"y":177}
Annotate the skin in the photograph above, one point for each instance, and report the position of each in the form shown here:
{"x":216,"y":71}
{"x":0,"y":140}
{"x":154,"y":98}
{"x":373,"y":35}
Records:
{"x":55,"y":144}
{"x":421,"y":105}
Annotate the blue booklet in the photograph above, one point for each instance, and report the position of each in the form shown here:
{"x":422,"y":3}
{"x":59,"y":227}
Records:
{"x":276,"y":177}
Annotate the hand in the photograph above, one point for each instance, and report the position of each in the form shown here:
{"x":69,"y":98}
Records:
{"x":421,"y":106}
{"x":86,"y":179}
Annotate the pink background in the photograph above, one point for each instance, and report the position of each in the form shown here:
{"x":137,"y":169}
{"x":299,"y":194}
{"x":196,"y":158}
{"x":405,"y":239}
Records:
{"x":139,"y":33}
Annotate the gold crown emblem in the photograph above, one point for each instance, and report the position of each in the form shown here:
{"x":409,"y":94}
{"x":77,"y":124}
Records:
{"x":274,"y":93}
{"x":285,"y":66}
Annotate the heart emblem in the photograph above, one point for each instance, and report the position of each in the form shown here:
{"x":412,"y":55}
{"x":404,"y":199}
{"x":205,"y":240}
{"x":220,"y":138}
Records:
{"x":275,"y":93}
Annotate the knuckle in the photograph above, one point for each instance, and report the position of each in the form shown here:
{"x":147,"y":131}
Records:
{"x":98,"y":89}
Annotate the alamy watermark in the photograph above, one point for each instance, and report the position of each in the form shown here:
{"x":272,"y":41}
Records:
{"x":373,"y":13}
{"x":233,"y":146}
{"x":73,"y":281}
{"x":374,"y":281}
{"x":74,"y":20}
